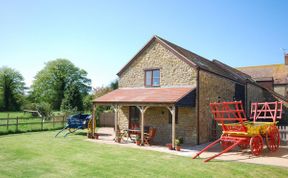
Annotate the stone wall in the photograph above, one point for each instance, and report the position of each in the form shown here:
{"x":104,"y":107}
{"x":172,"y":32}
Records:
{"x":173,"y":71}
{"x":123,"y":117}
{"x":281,"y":89}
{"x":158,"y":117}
{"x":211,"y":87}
{"x":258,"y":94}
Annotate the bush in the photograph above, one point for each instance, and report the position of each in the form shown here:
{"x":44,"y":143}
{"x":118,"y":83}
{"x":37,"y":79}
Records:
{"x":43,"y":108}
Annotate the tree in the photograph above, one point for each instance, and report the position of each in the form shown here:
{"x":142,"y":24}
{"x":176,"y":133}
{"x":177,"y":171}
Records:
{"x":100,"y":91}
{"x":72,"y":99}
{"x":12,"y":88}
{"x":87,"y":103}
{"x":114,"y":85}
{"x":58,"y":79}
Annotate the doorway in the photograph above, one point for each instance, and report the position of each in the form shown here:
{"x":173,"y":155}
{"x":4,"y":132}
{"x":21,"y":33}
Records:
{"x":134,"y":118}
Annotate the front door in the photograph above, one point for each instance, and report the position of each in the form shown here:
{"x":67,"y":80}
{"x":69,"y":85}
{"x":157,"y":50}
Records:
{"x":240,"y":93}
{"x":134,"y":118}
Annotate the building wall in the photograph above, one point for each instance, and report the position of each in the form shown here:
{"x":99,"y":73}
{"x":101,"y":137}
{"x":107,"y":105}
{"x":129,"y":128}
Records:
{"x":254,"y":94}
{"x":257,"y":94}
{"x":158,"y":117}
{"x":123,"y":117}
{"x":173,"y":71}
{"x":267,"y":84}
{"x":211,"y":87}
{"x":281,"y":89}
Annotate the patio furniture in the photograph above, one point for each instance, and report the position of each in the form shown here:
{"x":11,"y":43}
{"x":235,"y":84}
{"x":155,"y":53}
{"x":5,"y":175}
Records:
{"x":148,"y":137}
{"x":119,"y":134}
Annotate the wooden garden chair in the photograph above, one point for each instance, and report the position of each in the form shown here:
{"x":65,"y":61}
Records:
{"x":149,"y":136}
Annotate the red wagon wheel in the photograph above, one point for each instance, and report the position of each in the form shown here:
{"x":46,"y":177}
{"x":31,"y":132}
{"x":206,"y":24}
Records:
{"x":272,"y":138}
{"x":256,"y":145}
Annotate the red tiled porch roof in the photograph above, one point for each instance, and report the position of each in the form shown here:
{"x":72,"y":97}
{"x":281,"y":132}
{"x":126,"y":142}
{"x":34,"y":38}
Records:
{"x":145,"y":95}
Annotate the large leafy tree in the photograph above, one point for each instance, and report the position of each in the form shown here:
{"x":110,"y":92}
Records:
{"x":72,"y":99}
{"x":58,"y":80}
{"x":12,"y":88}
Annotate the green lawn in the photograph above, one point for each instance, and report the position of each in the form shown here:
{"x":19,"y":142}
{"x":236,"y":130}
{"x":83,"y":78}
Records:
{"x":41,"y":155}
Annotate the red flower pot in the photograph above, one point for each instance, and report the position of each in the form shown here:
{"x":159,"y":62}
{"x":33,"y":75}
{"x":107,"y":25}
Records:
{"x":138,"y":142}
{"x":169,"y":145}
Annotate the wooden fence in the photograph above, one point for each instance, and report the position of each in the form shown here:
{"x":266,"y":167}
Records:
{"x":283,"y":134}
{"x":106,"y":119}
{"x":18,"y":124}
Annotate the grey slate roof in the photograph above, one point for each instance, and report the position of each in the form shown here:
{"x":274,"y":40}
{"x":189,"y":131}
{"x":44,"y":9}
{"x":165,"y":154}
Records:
{"x":212,"y":66}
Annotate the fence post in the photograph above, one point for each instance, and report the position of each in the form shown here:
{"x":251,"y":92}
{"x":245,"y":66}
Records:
{"x":17,"y":123}
{"x":53,"y":121}
{"x":7,"y":126}
{"x":63,"y":120}
{"x":42,"y":123}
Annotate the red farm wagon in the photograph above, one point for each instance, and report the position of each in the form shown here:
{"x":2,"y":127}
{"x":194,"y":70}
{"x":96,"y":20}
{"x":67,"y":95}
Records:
{"x":237,"y":130}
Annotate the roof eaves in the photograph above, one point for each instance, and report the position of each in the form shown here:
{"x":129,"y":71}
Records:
{"x":137,"y":54}
{"x":167,"y":46}
{"x":236,"y":72}
{"x":185,"y":94}
{"x":176,"y":52}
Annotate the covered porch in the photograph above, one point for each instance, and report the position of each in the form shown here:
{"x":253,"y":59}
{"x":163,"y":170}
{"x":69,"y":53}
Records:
{"x":157,"y":107}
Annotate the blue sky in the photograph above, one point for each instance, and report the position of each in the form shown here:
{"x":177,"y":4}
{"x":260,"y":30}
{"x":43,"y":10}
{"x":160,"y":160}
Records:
{"x":102,"y":36}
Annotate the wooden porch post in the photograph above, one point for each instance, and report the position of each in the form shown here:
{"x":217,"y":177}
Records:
{"x":142,"y":110}
{"x":172,"y":111}
{"x":93,"y":120}
{"x":116,"y":110}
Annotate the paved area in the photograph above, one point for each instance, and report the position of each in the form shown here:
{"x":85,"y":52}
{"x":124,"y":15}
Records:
{"x":278,"y":158}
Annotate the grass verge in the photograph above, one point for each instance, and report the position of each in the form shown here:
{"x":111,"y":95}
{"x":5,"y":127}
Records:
{"x":42,"y":155}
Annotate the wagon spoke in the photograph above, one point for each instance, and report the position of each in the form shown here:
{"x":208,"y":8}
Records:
{"x":272,"y":138}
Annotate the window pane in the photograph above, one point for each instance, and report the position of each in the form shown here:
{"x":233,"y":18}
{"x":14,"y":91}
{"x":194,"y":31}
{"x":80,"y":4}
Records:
{"x":156,"y":73}
{"x":156,"y":81}
{"x":148,"y":75}
{"x":156,"y":78}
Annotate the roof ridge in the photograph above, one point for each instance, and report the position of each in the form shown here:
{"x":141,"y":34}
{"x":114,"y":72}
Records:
{"x":233,"y":70}
{"x":204,"y":63}
{"x":173,"y":44}
{"x":268,"y":65}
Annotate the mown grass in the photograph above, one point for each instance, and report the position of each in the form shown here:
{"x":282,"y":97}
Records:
{"x":42,"y":155}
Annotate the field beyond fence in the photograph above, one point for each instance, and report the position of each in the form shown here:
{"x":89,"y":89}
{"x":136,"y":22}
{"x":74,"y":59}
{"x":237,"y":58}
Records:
{"x":17,"y":122}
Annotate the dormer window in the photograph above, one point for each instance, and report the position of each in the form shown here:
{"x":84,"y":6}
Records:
{"x":152,"y":78}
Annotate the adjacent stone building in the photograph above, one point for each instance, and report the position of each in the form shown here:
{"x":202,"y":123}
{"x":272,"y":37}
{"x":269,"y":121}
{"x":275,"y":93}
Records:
{"x":273,"y":77}
{"x":169,"y":88}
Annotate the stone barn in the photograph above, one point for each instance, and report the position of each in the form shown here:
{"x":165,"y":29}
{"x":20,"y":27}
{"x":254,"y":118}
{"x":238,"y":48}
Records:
{"x":169,"y":88}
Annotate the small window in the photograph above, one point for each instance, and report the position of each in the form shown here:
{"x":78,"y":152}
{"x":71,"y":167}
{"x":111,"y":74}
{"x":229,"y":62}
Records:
{"x":170,"y":116}
{"x":152,"y":78}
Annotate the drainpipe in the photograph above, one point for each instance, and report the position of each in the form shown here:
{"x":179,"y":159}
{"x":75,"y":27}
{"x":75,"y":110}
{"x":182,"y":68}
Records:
{"x":197,"y":104}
